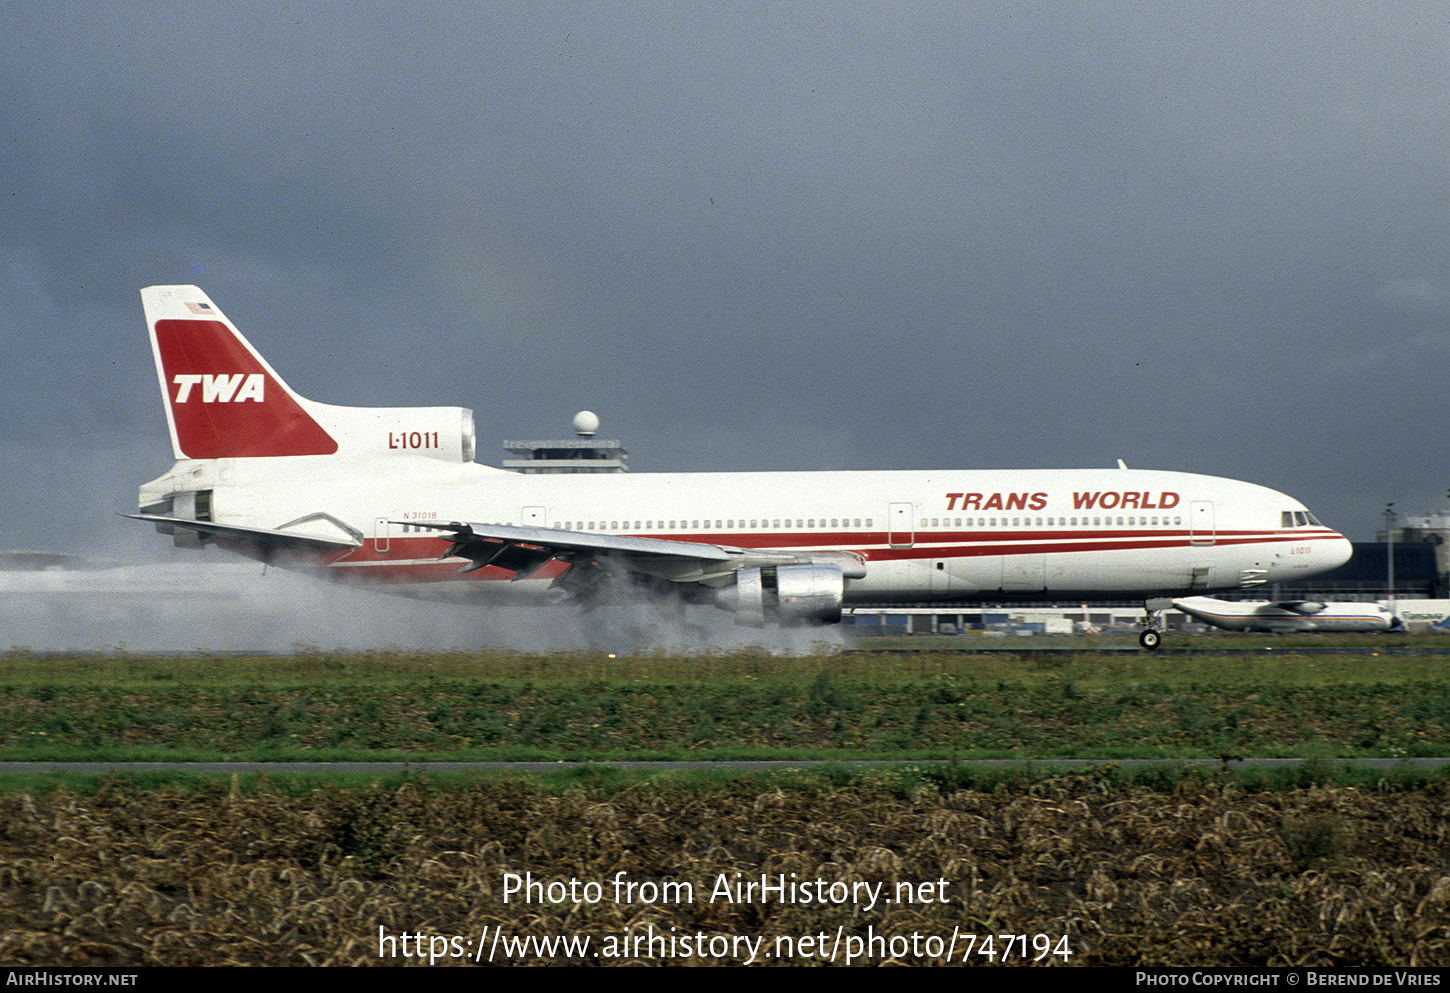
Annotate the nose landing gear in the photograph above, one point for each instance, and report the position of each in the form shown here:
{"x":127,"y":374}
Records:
{"x":1152,"y":635}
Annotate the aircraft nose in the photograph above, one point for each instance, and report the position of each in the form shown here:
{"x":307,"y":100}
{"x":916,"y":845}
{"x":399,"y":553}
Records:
{"x":1334,"y":552}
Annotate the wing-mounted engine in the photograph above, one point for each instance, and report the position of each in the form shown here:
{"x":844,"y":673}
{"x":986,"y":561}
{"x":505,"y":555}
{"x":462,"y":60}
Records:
{"x":812,"y":591}
{"x":758,"y":585}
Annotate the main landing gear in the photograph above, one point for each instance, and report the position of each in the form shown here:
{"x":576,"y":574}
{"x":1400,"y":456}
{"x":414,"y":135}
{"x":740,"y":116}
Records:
{"x":1152,"y":635}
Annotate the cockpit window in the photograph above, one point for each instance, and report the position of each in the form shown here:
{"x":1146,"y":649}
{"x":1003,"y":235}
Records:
{"x":1286,"y":519}
{"x":1301,"y":519}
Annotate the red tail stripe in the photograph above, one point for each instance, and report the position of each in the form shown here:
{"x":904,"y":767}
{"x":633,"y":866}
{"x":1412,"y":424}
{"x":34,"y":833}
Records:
{"x":244,"y":428}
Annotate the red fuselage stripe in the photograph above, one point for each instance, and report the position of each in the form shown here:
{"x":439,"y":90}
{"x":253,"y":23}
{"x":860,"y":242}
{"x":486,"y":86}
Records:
{"x":413,"y":558}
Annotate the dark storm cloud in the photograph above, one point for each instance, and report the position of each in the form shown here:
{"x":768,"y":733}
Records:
{"x":750,"y":236}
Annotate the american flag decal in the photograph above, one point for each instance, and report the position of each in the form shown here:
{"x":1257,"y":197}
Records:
{"x":200,"y":308}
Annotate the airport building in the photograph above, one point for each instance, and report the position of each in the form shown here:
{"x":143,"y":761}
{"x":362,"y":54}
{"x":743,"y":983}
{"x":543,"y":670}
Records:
{"x":1367,"y":576}
{"x":582,"y":453}
{"x":1427,"y":531}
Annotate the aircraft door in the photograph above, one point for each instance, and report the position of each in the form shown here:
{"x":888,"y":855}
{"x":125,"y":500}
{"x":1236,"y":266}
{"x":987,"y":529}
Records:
{"x":900,"y":530}
{"x":1024,"y":573}
{"x":1200,"y":523}
{"x":382,"y":534}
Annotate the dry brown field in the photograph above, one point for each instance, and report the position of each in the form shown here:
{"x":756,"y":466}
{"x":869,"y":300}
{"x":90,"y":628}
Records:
{"x":1067,"y":872}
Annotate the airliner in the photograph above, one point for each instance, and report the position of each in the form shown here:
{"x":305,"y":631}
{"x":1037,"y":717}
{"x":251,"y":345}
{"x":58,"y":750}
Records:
{"x":392,"y":496}
{"x":1276,"y":616}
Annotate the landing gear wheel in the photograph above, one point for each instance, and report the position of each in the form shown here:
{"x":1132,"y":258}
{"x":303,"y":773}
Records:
{"x":1153,"y":624}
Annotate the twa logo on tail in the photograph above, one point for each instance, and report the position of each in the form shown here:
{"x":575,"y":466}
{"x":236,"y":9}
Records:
{"x":222,"y":389}
{"x":222,"y":399}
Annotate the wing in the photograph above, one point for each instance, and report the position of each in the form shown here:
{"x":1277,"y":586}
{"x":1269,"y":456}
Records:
{"x":524,"y":550}
{"x":800,"y":577}
{"x":270,"y":539}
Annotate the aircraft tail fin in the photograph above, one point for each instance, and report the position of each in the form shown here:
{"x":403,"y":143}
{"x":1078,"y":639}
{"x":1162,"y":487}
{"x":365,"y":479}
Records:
{"x":223,"y":401}
{"x":222,"y":398}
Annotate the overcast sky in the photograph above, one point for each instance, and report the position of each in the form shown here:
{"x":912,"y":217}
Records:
{"x":1203,"y":237}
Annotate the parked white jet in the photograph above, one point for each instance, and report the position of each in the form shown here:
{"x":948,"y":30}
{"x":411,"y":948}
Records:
{"x":392,"y":495}
{"x":1277,"y":616}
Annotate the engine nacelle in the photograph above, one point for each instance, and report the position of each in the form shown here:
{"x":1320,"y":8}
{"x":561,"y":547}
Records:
{"x":810,"y":592}
{"x":786,"y":593}
{"x":442,"y":433}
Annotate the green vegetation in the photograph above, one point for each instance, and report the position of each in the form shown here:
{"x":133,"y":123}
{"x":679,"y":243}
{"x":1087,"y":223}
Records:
{"x":402,"y":706}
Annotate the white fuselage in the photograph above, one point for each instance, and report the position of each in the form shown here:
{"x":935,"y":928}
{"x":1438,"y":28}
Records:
{"x":1268,"y":616}
{"x":929,"y":535}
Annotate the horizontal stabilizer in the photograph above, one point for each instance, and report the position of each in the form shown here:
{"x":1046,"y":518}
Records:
{"x":260,"y":536}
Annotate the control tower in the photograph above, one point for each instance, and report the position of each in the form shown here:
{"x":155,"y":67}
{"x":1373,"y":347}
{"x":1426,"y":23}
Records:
{"x":584,"y":453}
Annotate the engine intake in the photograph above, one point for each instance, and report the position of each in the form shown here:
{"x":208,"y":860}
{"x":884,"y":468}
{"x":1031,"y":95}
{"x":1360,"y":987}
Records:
{"x":811,"y":592}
